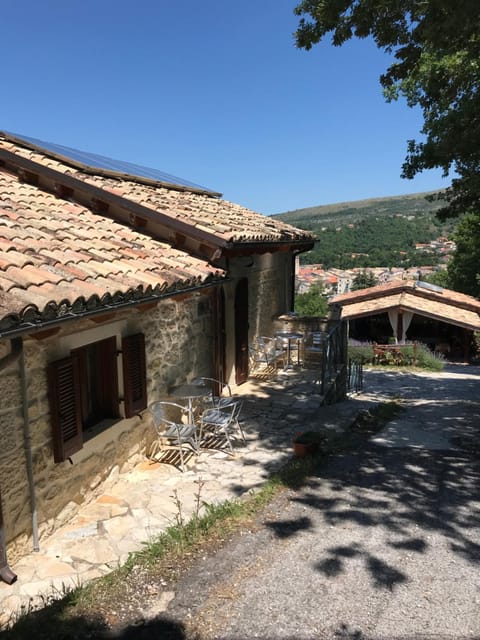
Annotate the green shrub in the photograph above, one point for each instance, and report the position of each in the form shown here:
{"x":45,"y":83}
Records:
{"x":426,"y":359}
{"x":360,"y":352}
{"x":407,"y":355}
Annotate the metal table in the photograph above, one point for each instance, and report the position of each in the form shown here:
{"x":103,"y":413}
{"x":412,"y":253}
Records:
{"x":190,"y":393}
{"x":291,"y":337}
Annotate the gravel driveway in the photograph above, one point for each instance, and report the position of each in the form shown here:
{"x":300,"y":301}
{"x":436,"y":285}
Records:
{"x":382,"y":542}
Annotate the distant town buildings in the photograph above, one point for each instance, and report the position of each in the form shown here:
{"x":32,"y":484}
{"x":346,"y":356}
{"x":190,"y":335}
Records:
{"x":336,"y":281}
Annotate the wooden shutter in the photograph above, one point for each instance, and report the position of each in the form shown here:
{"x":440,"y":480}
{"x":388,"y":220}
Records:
{"x":65,"y":407}
{"x":134,"y":374}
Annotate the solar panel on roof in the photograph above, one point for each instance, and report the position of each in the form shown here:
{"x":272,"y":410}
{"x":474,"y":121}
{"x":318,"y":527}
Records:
{"x":428,"y":285}
{"x":104,"y":163}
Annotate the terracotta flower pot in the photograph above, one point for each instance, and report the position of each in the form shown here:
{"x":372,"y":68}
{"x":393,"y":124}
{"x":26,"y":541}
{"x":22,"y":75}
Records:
{"x":301,"y":450}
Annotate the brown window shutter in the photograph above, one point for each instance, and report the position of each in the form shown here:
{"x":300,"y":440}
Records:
{"x":64,"y":397}
{"x":134,"y":374}
{"x":108,"y":367}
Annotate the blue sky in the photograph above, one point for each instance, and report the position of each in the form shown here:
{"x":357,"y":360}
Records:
{"x":213,"y":91}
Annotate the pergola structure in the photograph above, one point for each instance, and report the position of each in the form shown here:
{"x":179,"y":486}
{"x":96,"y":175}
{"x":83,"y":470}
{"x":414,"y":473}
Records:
{"x":412,"y":310}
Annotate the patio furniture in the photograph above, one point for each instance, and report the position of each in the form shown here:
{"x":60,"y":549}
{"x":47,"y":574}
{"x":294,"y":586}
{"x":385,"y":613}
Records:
{"x":222,"y":422}
{"x":193,"y":395}
{"x":264,"y":352}
{"x":220,"y":392}
{"x":313,"y":349}
{"x":174,"y":429}
{"x":289,"y":341}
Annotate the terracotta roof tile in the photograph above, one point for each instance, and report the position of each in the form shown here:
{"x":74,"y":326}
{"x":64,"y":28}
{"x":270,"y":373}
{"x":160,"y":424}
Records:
{"x":56,"y":253}
{"x":230,"y":222}
{"x":442,"y":304}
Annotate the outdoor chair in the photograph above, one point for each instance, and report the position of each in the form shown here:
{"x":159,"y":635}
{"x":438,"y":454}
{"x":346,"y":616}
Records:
{"x":222,"y":422}
{"x":265,"y":352}
{"x":173,"y":428}
{"x":313,"y":349}
{"x":220,"y":392}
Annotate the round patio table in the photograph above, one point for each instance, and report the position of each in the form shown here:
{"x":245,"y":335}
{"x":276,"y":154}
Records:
{"x":190,"y":393}
{"x":292,"y":339}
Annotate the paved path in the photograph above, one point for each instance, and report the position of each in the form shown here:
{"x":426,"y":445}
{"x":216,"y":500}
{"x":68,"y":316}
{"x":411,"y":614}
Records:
{"x":383,"y":542}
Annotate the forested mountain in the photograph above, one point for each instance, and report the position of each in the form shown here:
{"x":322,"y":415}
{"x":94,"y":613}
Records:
{"x":371,"y":233}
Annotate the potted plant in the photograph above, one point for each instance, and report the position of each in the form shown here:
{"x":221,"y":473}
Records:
{"x":307,"y":443}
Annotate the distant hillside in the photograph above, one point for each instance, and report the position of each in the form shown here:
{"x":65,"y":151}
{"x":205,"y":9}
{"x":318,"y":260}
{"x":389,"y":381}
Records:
{"x":344,"y":212}
{"x":377,"y":232}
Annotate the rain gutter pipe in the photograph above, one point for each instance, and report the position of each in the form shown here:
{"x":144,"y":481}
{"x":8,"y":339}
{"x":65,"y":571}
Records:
{"x":27,"y":441}
{"x":6,"y":574}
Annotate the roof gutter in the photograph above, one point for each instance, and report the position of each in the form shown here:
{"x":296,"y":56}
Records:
{"x":41,"y":325}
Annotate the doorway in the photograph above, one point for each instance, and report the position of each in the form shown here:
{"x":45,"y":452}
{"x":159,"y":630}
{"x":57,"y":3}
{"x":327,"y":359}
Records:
{"x":241,"y":331}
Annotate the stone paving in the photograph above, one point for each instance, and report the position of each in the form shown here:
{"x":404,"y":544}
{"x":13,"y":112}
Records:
{"x":132,"y":507}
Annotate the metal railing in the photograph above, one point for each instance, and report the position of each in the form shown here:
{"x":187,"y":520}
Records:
{"x":333,"y":375}
{"x":355,"y":376}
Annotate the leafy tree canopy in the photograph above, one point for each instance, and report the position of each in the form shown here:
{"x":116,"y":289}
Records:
{"x":363,"y":280}
{"x":312,"y":303}
{"x":464,"y":268}
{"x":439,"y":278}
{"x":436,"y":65}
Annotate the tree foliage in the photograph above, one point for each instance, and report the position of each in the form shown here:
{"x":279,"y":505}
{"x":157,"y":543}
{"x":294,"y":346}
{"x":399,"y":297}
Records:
{"x":436,"y":65}
{"x":312,"y":303}
{"x":439,"y":278}
{"x":464,"y":267}
{"x":383,"y":241}
{"x":364,"y":280}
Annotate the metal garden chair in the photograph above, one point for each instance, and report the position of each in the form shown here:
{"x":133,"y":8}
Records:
{"x":222,"y":422}
{"x":174,"y":429}
{"x":221,"y":392}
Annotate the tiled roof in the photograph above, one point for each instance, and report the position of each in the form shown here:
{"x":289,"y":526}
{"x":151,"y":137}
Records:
{"x":442,"y":304}
{"x":61,"y":255}
{"x":58,"y":258}
{"x":227,"y":221}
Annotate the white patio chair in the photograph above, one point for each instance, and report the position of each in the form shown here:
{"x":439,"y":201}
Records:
{"x":174,"y":431}
{"x":264,"y":351}
{"x":223,"y":422}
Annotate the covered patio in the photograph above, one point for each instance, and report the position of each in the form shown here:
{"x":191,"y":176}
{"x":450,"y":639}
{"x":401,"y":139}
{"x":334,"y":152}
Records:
{"x":402,"y":311}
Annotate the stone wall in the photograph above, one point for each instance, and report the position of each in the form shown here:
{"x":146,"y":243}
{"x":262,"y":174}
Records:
{"x":179,"y":339}
{"x":269,"y":284}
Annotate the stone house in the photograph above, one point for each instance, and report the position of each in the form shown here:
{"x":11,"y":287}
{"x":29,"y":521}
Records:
{"x":116,"y":283}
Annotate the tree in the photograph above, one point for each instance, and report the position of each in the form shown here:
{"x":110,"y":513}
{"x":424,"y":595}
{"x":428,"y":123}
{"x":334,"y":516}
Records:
{"x":363,"y":280}
{"x":436,"y":65}
{"x":438,"y":278}
{"x":464,"y":267}
{"x":313,"y":302}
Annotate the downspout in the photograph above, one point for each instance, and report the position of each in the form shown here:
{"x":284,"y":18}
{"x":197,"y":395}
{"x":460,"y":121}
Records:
{"x":6,"y":574}
{"x":27,"y":440}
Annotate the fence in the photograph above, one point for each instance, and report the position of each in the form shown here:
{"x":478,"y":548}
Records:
{"x":355,"y":376}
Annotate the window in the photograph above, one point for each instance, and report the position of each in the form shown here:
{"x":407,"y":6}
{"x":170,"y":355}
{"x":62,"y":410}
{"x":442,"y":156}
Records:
{"x":83,"y":390}
{"x":98,"y":381}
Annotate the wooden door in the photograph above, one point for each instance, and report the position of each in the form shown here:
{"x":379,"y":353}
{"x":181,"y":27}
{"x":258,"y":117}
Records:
{"x":241,"y":331}
{"x":220,"y":335}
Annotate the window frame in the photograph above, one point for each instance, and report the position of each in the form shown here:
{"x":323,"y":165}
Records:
{"x":65,"y":390}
